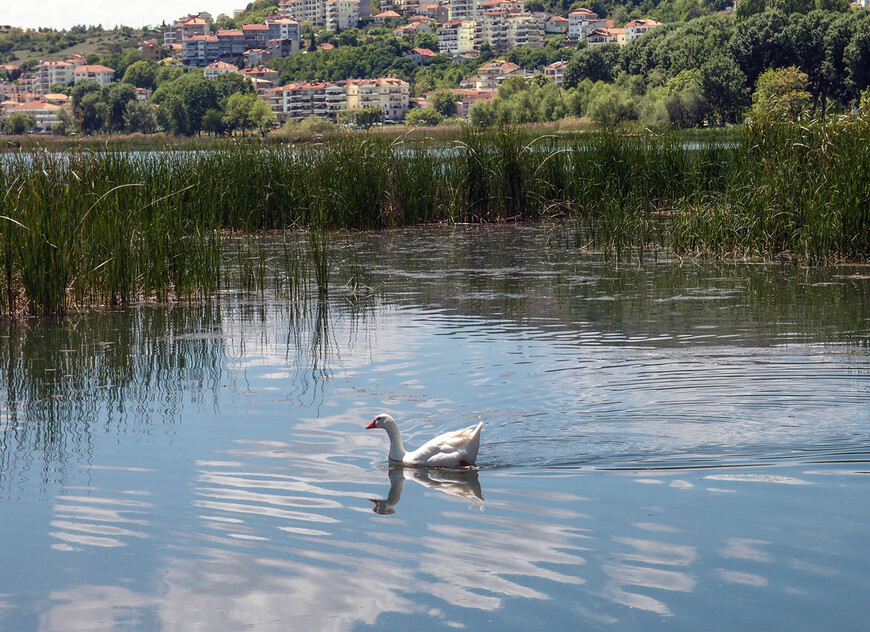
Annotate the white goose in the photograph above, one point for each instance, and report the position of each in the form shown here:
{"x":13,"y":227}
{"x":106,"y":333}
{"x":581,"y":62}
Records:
{"x":451,"y":449}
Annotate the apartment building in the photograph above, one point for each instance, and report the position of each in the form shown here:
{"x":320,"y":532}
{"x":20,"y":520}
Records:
{"x":231,"y":43}
{"x":458,"y":37}
{"x":95,"y":72}
{"x":200,"y":50}
{"x":581,"y":22}
{"x":47,"y":74}
{"x":327,"y":14}
{"x":183,"y":29}
{"x":525,"y":29}
{"x":326,"y":99}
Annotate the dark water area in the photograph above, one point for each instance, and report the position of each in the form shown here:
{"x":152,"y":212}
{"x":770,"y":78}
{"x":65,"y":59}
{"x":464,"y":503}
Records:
{"x":666,"y":445}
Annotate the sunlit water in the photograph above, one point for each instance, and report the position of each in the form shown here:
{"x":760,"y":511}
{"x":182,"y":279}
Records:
{"x":665,"y":446}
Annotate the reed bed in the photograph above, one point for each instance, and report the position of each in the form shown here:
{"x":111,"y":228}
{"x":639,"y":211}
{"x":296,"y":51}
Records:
{"x":107,"y":228}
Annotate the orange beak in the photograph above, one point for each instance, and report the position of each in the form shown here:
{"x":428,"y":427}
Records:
{"x":371,"y":425}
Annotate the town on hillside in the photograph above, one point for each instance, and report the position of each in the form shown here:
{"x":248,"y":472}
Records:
{"x":310,"y":65}
{"x":459,"y":30}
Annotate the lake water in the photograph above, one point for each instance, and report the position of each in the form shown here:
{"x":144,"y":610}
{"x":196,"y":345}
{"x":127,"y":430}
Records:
{"x":666,"y":445}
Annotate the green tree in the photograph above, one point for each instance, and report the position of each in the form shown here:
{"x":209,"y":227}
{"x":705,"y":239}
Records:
{"x":19,"y":123}
{"x":444,"y":103}
{"x":247,"y":111}
{"x":597,"y":63}
{"x":141,"y":74}
{"x":231,"y":83}
{"x":116,"y":97}
{"x":93,"y":113}
{"x":724,"y":88}
{"x":610,"y":105}
{"x":139,"y":117}
{"x":424,"y":116}
{"x":213,"y":122}
{"x":781,"y":93}
{"x":367,"y":117}
{"x":426,"y":40}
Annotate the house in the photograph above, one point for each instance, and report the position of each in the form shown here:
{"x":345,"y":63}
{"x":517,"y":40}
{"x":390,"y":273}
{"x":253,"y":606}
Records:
{"x":556,"y":25}
{"x":581,"y":22}
{"x":143,"y":94}
{"x":382,"y":17}
{"x":218,"y":68}
{"x":607,"y":35}
{"x":466,"y":98}
{"x":556,"y":71}
{"x":255,"y":56}
{"x":282,"y":47}
{"x":421,"y":56}
{"x":412,"y":29}
{"x":101,"y":74}
{"x":636,"y":28}
{"x":325,"y":46}
{"x":438,"y":12}
{"x":151,"y":50}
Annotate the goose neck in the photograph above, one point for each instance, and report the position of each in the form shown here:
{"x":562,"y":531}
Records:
{"x":397,"y":450}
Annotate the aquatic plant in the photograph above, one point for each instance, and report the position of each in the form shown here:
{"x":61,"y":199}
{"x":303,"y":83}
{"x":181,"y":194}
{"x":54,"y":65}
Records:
{"x":111,"y":227}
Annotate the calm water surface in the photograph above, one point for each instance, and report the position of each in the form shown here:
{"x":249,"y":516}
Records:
{"x":665,"y":446}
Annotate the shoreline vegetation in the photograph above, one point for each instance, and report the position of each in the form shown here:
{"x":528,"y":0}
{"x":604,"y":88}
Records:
{"x":84,"y":228}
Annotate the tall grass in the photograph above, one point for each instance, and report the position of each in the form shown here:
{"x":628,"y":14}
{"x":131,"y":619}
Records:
{"x":111,"y":227}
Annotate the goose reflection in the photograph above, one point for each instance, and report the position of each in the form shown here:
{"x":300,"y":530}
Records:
{"x":463,"y":483}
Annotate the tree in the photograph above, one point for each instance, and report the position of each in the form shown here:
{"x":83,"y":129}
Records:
{"x":426,"y":40}
{"x":781,"y":93}
{"x":367,"y":117}
{"x":141,"y":74}
{"x":19,"y":123}
{"x":247,"y":111}
{"x":213,"y":122}
{"x":64,"y":123}
{"x":139,"y":117}
{"x":444,"y":103}
{"x":423,"y":116}
{"x":762,"y":42}
{"x":597,"y":63}
{"x":724,"y":88}
{"x":231,"y":83}
{"x":116,"y":97}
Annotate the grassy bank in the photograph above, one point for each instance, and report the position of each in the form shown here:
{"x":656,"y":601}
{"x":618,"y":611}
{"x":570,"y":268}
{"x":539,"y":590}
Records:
{"x":84,"y":228}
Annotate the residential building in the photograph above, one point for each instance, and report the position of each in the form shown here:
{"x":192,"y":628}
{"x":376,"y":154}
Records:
{"x":151,"y":49}
{"x":328,"y":14}
{"x":467,"y":98}
{"x":101,"y":74}
{"x":327,"y":99}
{"x":556,"y":71}
{"x":200,"y":50}
{"x":556,"y":25}
{"x":458,"y":37}
{"x":387,"y":93}
{"x":606,"y":35}
{"x":491,"y":75}
{"x":581,"y":22}
{"x":384,"y":16}
{"x":412,"y":29}
{"x":284,"y":28}
{"x":438,"y":12}
{"x":282,"y":47}
{"x":636,"y":28}
{"x":231,"y":44}
{"x":49,"y":73}
{"x":143,"y":94}
{"x":421,"y":56}
{"x":343,"y":14}
{"x":525,"y":29}
{"x":47,"y":115}
{"x":184,"y":29}
{"x":218,"y":68}
{"x":256,"y":35}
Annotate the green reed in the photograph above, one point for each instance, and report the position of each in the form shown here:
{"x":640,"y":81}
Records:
{"x":109,"y":228}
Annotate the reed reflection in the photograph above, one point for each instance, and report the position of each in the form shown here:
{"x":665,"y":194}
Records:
{"x":463,"y":483}
{"x":121,"y":372}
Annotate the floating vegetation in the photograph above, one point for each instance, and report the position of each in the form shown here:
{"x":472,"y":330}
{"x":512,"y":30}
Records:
{"x":107,"y":228}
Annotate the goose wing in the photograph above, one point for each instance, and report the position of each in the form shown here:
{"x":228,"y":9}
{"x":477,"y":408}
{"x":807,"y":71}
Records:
{"x":449,"y":449}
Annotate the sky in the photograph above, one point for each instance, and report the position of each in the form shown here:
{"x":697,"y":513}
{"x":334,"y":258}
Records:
{"x":62,"y":14}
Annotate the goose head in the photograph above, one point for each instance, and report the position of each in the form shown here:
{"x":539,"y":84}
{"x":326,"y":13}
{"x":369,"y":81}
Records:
{"x":381,"y":421}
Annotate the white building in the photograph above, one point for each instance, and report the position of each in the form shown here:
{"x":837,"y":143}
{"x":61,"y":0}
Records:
{"x":636,"y":28}
{"x":219,"y":68}
{"x":101,"y":74}
{"x":458,"y":37}
{"x":582,"y":22}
